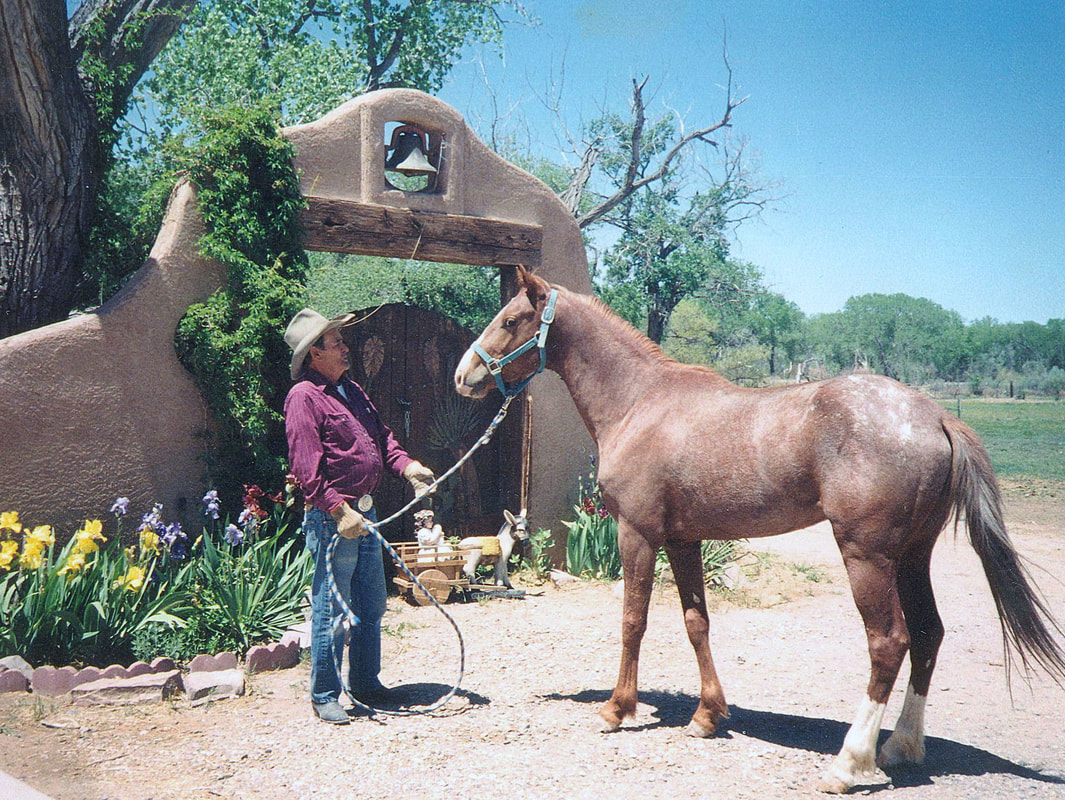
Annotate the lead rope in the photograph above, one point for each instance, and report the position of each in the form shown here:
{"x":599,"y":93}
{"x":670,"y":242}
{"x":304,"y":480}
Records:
{"x":348,"y":617}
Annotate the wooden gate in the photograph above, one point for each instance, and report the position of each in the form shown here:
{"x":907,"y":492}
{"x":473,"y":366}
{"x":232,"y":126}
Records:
{"x":405,"y":358}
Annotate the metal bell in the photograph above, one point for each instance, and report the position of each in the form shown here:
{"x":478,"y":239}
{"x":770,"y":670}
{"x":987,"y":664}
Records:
{"x":408,"y":152}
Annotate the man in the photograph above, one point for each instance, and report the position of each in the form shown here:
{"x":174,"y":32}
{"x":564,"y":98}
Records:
{"x":338,"y":450}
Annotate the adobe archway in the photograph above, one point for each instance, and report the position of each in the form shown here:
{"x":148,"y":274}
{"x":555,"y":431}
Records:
{"x":126,"y":419}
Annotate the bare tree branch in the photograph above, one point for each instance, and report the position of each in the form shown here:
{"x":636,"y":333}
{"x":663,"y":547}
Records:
{"x":632,"y":184}
{"x":575,"y":191}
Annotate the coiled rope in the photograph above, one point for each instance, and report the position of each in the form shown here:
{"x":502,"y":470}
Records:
{"x":349,"y":619}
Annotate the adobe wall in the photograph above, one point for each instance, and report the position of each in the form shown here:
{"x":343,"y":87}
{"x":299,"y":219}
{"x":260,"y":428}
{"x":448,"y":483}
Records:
{"x":98,"y":406}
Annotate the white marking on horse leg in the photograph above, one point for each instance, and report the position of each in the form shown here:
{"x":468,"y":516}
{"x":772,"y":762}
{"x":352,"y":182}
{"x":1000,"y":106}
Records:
{"x":906,"y":743}
{"x":857,"y":758}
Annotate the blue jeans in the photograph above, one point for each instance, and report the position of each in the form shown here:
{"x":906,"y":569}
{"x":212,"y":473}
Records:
{"x":359,"y":573}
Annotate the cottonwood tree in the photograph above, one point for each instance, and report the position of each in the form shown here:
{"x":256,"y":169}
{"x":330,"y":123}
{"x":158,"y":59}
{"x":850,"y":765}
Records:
{"x":62,"y":88}
{"x":673,"y":211}
{"x":65,"y":86}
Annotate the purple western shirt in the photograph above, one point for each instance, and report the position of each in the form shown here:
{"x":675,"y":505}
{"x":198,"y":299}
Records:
{"x":337,"y":449}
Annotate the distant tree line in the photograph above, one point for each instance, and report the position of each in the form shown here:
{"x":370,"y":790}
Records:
{"x":756,"y":336}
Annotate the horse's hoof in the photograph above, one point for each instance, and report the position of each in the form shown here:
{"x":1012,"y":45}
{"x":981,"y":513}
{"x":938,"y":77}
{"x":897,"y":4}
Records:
{"x":899,"y":750}
{"x":831,"y":783}
{"x":605,"y":725}
{"x":697,"y":731}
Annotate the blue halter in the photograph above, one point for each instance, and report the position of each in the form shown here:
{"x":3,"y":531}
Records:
{"x":495,"y":365}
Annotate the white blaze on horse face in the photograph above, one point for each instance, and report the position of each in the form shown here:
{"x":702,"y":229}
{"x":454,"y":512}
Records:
{"x":470,"y":374}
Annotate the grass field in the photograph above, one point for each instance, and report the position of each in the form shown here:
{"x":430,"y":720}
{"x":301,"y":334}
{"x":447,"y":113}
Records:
{"x":1026,"y":439}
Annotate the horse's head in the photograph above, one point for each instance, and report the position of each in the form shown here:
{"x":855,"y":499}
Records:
{"x":518,"y":325}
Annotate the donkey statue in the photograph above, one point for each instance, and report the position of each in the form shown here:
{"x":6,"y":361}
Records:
{"x":495,"y":549}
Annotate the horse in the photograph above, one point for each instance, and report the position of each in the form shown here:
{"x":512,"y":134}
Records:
{"x":685,"y":455}
{"x":498,"y":549}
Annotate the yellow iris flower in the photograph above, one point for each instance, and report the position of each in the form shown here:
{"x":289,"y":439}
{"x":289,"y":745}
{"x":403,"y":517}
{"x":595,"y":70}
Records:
{"x":150,"y":540}
{"x":7,"y":553}
{"x":132,"y":580}
{"x":32,"y":556}
{"x":85,"y":539}
{"x":9,"y":521}
{"x":74,"y":565}
{"x":42,"y":534}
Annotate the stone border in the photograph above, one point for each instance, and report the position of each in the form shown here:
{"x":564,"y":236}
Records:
{"x":56,"y":681}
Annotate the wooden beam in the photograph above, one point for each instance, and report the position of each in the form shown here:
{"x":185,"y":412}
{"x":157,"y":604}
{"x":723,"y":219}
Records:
{"x":342,"y":226}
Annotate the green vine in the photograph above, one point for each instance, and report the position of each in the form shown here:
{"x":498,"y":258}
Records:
{"x":232,"y":343}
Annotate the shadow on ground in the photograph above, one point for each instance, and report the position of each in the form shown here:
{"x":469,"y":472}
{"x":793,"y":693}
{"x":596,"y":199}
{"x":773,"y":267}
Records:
{"x":942,"y":756}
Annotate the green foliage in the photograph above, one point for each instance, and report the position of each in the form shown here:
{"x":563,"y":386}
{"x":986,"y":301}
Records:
{"x":232,"y":343}
{"x":84,"y":604}
{"x":592,"y":542}
{"x":468,"y":295}
{"x":911,"y":339}
{"x":666,"y":255}
{"x":130,"y":210}
{"x":537,"y":559}
{"x":311,"y":55}
{"x":716,"y":556}
{"x":251,"y":592}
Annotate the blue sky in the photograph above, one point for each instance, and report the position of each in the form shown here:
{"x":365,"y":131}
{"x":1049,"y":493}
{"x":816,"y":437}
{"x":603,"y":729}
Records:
{"x":917,"y":147}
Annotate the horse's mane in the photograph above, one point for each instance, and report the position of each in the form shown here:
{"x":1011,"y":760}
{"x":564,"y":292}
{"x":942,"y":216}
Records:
{"x":626,"y":332}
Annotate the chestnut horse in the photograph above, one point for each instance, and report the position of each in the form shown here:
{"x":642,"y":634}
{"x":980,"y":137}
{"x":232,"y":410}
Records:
{"x":684,"y":455}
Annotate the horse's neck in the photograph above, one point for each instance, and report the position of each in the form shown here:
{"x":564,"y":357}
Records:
{"x":606,"y":366}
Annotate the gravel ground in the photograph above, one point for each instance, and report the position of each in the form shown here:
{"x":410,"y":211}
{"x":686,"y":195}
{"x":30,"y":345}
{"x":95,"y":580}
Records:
{"x":791,"y":657}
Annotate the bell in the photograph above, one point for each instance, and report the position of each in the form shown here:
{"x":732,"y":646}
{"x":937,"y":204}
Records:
{"x":408,"y":152}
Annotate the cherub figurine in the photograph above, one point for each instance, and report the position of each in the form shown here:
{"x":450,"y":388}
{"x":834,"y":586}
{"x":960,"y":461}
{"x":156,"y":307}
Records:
{"x":430,"y":536}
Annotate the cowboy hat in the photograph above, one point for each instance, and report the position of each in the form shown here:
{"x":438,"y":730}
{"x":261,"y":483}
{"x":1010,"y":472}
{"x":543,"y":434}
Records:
{"x":304,"y":330}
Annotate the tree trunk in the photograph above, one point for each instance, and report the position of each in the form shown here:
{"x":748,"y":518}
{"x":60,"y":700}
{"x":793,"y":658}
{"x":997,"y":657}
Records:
{"x":49,"y":166}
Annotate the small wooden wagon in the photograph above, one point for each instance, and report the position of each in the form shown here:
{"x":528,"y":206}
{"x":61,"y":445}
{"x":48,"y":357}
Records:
{"x":439,"y":572}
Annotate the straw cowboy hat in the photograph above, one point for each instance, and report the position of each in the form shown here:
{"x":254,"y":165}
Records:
{"x":304,"y":330}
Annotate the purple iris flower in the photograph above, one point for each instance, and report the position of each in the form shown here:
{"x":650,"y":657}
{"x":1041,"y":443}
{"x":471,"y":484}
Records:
{"x":248,"y":521}
{"x":233,"y":535}
{"x":121,"y":507}
{"x":211,"y":506}
{"x":176,"y":540}
{"x":154,"y":518}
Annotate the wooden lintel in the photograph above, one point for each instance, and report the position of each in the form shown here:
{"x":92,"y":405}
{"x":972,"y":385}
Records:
{"x":342,"y":226}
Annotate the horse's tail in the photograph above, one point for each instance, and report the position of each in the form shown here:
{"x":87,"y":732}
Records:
{"x":1028,"y":627}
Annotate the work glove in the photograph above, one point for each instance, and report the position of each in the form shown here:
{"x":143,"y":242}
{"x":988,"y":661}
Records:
{"x":419,"y":476}
{"x":350,"y":523}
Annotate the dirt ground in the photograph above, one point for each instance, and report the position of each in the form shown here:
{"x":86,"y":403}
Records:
{"x":789,"y":648}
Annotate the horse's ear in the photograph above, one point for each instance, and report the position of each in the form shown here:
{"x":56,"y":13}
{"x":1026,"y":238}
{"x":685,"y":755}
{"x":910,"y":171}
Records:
{"x":536,"y":288}
{"x":509,"y":517}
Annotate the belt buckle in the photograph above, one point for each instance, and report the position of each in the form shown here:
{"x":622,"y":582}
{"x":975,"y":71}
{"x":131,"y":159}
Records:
{"x":365,"y":503}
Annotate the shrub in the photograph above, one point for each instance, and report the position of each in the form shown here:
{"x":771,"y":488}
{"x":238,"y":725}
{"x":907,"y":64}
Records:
{"x":232,"y":343}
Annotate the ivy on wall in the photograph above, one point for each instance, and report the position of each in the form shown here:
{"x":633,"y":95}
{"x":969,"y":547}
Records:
{"x":233,"y":342}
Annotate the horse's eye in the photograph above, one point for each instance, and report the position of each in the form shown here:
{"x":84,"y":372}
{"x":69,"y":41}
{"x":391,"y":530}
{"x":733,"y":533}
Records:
{"x":509,"y":322}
